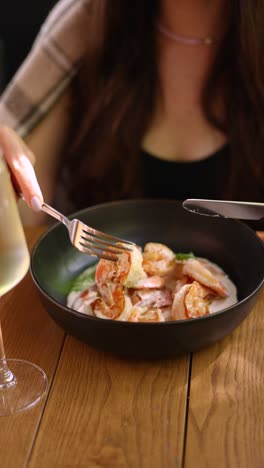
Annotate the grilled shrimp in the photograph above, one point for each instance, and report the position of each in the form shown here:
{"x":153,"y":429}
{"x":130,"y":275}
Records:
{"x":154,"y":286}
{"x":158,"y":259}
{"x":150,"y":282}
{"x":126,"y":271}
{"x":151,"y":298}
{"x":191,"y":301}
{"x":198,"y":272}
{"x":116,"y":305}
{"x":82,"y":300}
{"x":146,"y":314}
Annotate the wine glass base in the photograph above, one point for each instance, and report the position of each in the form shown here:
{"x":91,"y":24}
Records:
{"x":28,"y":388}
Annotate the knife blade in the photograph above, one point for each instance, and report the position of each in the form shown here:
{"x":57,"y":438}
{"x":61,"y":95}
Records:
{"x":225,"y":208}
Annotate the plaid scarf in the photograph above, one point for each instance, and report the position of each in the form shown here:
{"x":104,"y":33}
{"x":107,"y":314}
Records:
{"x":49,"y":67}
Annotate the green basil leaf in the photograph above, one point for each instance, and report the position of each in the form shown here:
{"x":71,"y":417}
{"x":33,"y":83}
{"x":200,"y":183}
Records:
{"x":184,"y":256}
{"x":85,"y":279}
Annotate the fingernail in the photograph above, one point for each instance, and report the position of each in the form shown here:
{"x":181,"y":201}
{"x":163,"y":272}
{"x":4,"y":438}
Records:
{"x":35,"y":204}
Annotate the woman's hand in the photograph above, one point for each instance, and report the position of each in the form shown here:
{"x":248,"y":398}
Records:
{"x":19,"y":159}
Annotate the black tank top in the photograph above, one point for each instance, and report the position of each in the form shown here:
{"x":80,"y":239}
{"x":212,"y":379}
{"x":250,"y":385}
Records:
{"x":204,"y":178}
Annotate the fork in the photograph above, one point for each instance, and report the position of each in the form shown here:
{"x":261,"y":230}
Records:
{"x":89,"y":240}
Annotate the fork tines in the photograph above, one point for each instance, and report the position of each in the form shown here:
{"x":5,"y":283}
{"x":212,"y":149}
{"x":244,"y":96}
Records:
{"x":97,"y":252}
{"x":95,"y":243}
{"x":102,"y":235}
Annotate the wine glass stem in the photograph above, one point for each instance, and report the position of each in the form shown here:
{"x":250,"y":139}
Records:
{"x":6,"y":377}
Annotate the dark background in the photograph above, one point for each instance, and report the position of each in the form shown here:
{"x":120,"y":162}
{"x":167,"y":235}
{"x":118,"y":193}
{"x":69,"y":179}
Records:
{"x":20,"y":21}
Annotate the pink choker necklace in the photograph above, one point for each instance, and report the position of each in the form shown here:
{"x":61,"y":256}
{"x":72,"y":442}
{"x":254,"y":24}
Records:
{"x":187,"y":40}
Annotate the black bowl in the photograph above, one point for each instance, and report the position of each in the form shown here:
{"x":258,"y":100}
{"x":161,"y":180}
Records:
{"x":231,"y":244}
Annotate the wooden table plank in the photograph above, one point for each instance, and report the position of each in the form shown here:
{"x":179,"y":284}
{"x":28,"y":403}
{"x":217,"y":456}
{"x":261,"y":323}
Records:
{"x":225,"y":426}
{"x":29,"y":334}
{"x":104,"y":411}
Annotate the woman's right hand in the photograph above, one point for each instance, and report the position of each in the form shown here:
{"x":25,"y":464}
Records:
{"x":19,"y":159}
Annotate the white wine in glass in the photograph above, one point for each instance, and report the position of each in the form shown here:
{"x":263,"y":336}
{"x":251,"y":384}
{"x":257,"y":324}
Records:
{"x":22,"y":384}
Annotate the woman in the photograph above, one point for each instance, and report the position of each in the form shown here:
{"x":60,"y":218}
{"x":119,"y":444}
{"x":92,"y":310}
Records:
{"x":165,"y":99}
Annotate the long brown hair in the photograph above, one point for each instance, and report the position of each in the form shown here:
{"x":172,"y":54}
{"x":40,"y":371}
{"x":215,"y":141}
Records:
{"x":117,"y":85}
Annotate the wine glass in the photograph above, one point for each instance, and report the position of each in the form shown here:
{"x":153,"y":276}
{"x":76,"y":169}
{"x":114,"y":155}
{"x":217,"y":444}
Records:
{"x":22,"y":384}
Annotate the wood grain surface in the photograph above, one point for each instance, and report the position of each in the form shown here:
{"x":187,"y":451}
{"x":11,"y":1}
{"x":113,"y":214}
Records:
{"x":29,"y":334}
{"x":104,"y":411}
{"x":200,"y":411}
{"x":225,"y":426}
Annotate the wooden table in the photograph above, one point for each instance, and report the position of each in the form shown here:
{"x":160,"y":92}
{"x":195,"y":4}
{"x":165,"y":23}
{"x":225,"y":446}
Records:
{"x":201,"y":410}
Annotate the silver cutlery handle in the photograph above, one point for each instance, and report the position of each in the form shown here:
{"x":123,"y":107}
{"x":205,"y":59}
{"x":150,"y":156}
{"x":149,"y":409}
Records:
{"x":55,"y":214}
{"x":226,"y":208}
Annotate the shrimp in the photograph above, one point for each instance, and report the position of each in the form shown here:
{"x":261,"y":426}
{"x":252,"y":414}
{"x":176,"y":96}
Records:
{"x":158,"y":259}
{"x":191,"y":301}
{"x":151,"y":297}
{"x":166,"y":312}
{"x":126,"y":271}
{"x":146,"y":314}
{"x":117,"y":306}
{"x":82,"y":300}
{"x":198,"y":272}
{"x":150,"y":282}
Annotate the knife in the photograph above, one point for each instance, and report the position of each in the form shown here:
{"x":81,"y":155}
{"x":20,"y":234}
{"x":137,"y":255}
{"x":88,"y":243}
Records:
{"x":225,"y":208}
